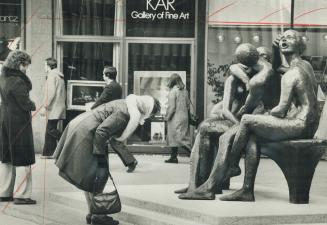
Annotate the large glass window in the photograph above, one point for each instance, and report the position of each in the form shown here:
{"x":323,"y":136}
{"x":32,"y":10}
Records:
{"x":310,"y":18}
{"x":85,"y":61}
{"x":153,"y":18}
{"x":88,"y":17}
{"x":232,"y":23}
{"x":10,"y":26}
{"x":149,"y":66}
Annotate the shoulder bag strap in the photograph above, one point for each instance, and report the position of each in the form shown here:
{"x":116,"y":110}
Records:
{"x":113,"y":182}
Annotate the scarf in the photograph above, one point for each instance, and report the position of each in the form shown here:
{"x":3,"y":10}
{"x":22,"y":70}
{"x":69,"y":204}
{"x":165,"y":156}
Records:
{"x":139,"y":109}
{"x":144,"y":104}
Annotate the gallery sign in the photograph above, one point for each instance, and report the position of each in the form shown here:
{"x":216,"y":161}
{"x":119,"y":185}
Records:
{"x":9,"y":19}
{"x":160,"y":9}
{"x":10,"y":11}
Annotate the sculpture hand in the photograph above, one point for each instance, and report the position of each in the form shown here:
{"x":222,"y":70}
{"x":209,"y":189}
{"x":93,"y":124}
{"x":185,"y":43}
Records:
{"x":276,"y":41}
{"x":240,"y":112}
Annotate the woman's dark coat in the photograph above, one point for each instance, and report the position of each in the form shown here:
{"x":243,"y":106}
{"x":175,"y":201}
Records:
{"x":84,"y":138}
{"x":16,"y":133}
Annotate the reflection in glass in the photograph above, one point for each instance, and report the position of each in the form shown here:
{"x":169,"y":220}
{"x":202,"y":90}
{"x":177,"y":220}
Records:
{"x":10,"y":26}
{"x":88,"y":17}
{"x":85,"y":61}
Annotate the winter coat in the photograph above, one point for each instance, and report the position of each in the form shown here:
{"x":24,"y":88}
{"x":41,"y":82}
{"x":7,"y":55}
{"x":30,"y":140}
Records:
{"x":178,"y":133}
{"x":84,"y":138}
{"x":110,"y":92}
{"x":55,"y":96}
{"x":15,"y":118}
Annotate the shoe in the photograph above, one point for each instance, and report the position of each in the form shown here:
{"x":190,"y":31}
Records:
{"x":103,"y":220}
{"x":24,"y":201}
{"x":132,"y":167}
{"x":6,"y":199}
{"x":88,"y":218}
{"x":171,"y":160}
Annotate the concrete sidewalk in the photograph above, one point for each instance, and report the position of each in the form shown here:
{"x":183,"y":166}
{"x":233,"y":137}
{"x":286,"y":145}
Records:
{"x":9,"y":220}
{"x":151,"y":171}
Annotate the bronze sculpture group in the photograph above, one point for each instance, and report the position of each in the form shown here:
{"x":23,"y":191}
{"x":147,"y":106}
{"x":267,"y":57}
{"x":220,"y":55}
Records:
{"x":243,"y":118}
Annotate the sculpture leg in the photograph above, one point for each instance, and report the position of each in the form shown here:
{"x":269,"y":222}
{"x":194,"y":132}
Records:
{"x":252,"y":158}
{"x":271,"y":128}
{"x":217,"y":175}
{"x":194,"y":162}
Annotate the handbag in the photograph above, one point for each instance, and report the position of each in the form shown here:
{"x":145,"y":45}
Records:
{"x":106,"y":203}
{"x":193,"y":119}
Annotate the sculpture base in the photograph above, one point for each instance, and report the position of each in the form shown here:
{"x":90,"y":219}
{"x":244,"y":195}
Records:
{"x":157,"y":204}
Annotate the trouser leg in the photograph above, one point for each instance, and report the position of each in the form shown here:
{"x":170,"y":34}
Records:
{"x":24,"y":182}
{"x":174,"y":152}
{"x":51,"y":137}
{"x":124,"y":154}
{"x":109,"y":128}
{"x":7,"y":179}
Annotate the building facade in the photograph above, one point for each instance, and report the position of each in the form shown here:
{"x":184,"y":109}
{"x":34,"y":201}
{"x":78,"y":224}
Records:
{"x":147,"y":40}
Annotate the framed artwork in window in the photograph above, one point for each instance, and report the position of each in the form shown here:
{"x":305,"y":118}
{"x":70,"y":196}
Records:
{"x":82,"y":93}
{"x":154,"y":83}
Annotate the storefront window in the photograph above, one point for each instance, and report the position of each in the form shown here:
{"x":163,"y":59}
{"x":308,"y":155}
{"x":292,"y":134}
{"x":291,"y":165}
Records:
{"x":149,"y":67}
{"x":85,"y":61}
{"x":88,"y":17}
{"x":10,"y":26}
{"x":310,"y":19}
{"x":232,"y":23}
{"x":153,"y":18}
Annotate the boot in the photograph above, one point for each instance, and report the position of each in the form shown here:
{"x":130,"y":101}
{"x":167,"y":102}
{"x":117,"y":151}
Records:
{"x":173,"y":156}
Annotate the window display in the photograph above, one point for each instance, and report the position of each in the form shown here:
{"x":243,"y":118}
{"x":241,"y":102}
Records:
{"x":154,"y":83}
{"x":149,"y":66}
{"x":82,"y":94}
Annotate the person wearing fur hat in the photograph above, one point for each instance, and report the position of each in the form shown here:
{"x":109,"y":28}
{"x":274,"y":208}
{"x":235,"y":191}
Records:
{"x":82,"y":153}
{"x":17,"y":147}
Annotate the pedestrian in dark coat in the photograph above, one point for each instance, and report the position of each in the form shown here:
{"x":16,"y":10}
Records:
{"x":112,"y":90}
{"x":82,"y":150}
{"x":16,"y":133}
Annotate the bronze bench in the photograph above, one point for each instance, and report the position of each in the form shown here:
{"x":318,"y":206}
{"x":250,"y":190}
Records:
{"x":296,"y":158}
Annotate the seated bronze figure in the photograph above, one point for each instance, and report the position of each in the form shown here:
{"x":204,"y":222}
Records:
{"x":251,"y":74}
{"x":295,"y":117}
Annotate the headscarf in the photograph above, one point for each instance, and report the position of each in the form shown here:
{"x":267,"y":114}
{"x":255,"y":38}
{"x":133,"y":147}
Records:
{"x":139,"y":109}
{"x":144,"y":104}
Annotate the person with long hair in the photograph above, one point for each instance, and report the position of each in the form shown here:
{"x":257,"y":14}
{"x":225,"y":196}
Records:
{"x":178,"y":129}
{"x":82,"y":151}
{"x":17,"y":146}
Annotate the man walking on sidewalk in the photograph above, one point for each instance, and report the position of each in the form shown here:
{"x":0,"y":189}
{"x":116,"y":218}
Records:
{"x":54,"y":105}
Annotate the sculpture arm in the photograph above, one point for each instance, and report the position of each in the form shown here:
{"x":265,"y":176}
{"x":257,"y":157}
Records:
{"x":229,"y":92}
{"x":237,"y":71}
{"x":288,"y":83}
{"x":257,"y":86}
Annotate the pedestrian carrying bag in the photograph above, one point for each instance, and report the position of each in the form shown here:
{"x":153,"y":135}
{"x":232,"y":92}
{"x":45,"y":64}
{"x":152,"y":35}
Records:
{"x":193,"y":119}
{"x":106,"y":203}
